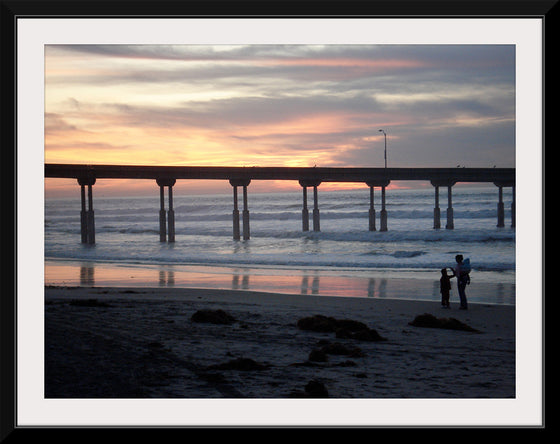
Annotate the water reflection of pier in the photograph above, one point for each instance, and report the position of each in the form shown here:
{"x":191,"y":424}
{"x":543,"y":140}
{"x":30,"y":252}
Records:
{"x":166,"y":278}
{"x":235,"y":282}
{"x":313,"y":289}
{"x":377,"y":288}
{"x":309,"y":283}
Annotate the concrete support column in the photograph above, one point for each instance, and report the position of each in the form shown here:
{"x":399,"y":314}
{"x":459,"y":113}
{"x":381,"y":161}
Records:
{"x":449,"y":184}
{"x":500,"y":208}
{"x":162,"y":216}
{"x":236,"y":230}
{"x":449,"y":224}
{"x":246,"y":229}
{"x":371,"y":209}
{"x":91,"y":218}
{"x":383,"y":216}
{"x":437,"y":214}
{"x":316,"y":218}
{"x":236,"y":225}
{"x":513,"y":206}
{"x":305,"y":212}
{"x":83,"y":216}
{"x":382,"y":183}
{"x":87,"y":217}
{"x":166,"y":220}
{"x":170,"y":218}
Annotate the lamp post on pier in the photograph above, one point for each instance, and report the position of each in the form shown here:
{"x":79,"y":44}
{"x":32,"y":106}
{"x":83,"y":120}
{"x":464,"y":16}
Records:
{"x":383,"y":215}
{"x":385,"y":134}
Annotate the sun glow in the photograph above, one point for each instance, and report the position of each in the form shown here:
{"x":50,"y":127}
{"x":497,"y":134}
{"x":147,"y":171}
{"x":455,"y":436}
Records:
{"x":273,"y":105}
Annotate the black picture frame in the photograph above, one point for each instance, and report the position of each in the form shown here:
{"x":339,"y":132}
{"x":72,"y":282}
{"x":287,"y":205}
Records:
{"x":13,"y":10}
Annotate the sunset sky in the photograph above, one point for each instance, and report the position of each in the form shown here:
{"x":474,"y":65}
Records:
{"x":278,"y":105}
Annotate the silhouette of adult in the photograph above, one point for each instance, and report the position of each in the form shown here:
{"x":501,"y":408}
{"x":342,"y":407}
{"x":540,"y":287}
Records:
{"x":462,"y":280}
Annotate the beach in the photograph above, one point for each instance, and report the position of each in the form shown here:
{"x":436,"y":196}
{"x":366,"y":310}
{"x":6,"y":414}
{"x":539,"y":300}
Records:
{"x":140,"y":336}
{"x":140,"y":342}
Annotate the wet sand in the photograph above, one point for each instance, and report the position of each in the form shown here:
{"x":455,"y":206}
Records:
{"x":486,"y":287}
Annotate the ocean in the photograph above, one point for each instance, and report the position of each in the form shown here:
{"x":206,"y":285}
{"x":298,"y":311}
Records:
{"x":344,"y":258}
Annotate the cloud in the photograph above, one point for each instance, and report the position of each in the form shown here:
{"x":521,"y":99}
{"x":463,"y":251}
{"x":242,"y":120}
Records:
{"x":55,"y":123}
{"x":281,"y":104}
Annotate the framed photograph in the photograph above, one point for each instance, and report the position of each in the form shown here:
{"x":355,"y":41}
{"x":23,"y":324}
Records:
{"x":255,"y":216}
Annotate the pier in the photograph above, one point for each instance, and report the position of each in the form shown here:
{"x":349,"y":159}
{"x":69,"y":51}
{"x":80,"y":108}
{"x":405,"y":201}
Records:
{"x":166,"y":177}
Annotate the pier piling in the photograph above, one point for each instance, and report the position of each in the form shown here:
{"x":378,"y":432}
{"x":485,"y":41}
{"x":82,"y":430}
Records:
{"x":383,"y":214}
{"x":305,"y":211}
{"x":83,"y":216}
{"x":513,"y":207}
{"x":371,"y":209}
{"x":383,"y":183}
{"x":316,"y":216}
{"x":87,"y":217}
{"x":166,"y":220}
{"x":501,"y":206}
{"x":162,"y":216}
{"x":236,"y":226}
{"x":246,"y":228}
{"x":316,"y":212}
{"x":171,"y":217}
{"x":437,"y":213}
{"x":449,"y":225}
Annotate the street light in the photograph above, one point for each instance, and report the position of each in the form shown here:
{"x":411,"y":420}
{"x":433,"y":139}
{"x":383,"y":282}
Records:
{"x":385,"y":146}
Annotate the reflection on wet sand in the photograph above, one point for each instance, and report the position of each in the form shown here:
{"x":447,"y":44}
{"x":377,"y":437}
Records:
{"x":166,"y":278}
{"x":87,"y":273}
{"x":308,"y":284}
{"x":377,"y":288}
{"x":303,"y":282}
{"x":235,"y":285}
{"x":305,"y":289}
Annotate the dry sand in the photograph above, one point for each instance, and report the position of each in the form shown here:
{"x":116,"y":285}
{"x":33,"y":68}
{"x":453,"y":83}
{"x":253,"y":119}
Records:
{"x":144,"y":343}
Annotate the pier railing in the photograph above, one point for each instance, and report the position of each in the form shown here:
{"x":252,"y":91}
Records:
{"x":166,"y":176}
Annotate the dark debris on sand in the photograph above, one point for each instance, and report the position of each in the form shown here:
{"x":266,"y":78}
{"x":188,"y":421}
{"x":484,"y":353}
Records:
{"x":213,"y":316}
{"x":430,"y":321}
{"x":344,"y":328}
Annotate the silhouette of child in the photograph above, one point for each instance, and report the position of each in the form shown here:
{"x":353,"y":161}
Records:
{"x":445,"y":287}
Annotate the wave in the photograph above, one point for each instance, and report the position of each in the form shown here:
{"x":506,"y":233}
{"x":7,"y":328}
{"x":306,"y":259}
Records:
{"x":127,"y":231}
{"x":295,"y":263}
{"x":403,"y":254}
{"x":409,"y":219}
{"x":259,"y":214}
{"x":359,"y":234}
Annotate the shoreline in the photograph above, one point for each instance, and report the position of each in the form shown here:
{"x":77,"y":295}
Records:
{"x":233,"y":295}
{"x":409,"y":284}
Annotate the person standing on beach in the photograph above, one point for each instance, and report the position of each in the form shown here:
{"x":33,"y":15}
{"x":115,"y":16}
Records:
{"x":463,"y":280}
{"x":445,"y":287}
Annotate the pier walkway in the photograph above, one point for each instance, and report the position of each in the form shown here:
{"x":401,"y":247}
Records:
{"x":166,"y":176}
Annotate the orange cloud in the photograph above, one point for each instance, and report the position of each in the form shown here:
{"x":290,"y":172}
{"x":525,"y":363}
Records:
{"x":111,"y":138}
